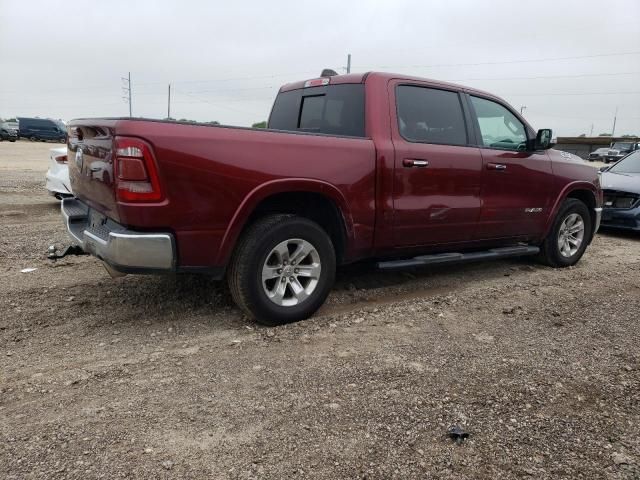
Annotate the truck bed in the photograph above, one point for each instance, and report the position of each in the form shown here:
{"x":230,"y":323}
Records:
{"x":209,"y":175}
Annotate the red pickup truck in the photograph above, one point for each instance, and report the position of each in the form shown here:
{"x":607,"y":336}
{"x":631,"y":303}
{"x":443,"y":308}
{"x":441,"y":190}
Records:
{"x":403,"y":170}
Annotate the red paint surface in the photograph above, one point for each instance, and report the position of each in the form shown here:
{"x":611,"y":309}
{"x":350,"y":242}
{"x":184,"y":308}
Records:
{"x":212,"y":178}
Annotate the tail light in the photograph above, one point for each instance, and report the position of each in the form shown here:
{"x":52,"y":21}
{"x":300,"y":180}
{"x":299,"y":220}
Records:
{"x":135,"y":171}
{"x":62,"y":159}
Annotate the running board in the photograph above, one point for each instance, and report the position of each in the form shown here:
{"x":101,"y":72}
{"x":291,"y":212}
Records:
{"x":440,"y":258}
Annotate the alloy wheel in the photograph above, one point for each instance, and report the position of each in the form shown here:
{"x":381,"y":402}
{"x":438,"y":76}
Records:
{"x":571,"y":235}
{"x":291,"y":272}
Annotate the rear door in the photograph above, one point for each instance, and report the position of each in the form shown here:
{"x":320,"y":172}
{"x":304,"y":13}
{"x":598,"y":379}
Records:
{"x":516,"y":182}
{"x":437,"y":172}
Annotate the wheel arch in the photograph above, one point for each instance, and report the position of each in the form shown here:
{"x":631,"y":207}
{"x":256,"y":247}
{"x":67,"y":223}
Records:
{"x":585,"y":192}
{"x":314,"y":199}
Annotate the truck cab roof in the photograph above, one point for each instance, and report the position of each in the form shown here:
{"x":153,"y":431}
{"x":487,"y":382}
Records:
{"x":384,"y":77}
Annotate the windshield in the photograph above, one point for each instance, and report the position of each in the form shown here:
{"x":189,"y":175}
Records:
{"x":621,"y":146}
{"x":629,"y":164}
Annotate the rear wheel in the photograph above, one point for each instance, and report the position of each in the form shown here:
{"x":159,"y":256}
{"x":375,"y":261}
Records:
{"x":282,"y":269}
{"x":569,"y":235}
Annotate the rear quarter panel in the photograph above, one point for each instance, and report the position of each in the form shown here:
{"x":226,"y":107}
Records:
{"x":213,"y":178}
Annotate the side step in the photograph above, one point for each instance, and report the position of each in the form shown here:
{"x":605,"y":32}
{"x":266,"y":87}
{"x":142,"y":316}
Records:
{"x":440,"y":258}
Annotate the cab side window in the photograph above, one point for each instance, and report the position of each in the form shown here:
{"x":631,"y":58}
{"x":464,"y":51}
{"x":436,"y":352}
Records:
{"x":499,"y":127}
{"x":429,"y":115}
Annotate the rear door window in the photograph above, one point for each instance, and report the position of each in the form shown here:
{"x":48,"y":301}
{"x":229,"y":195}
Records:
{"x":332,"y":110}
{"x":429,"y":115}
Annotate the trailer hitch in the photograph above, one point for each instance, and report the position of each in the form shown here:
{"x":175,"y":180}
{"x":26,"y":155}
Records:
{"x":53,"y":253}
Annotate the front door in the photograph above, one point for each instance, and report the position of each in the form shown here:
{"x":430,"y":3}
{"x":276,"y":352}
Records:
{"x":516,"y":182}
{"x":437,"y":172}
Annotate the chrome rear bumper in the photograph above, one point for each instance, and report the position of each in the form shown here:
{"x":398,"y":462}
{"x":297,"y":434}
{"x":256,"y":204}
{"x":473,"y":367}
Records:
{"x":124,"y":250}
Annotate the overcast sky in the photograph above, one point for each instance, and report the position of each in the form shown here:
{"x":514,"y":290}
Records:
{"x":571,"y":63}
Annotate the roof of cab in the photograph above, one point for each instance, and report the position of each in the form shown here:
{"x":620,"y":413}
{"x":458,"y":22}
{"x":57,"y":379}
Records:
{"x":384,"y":76}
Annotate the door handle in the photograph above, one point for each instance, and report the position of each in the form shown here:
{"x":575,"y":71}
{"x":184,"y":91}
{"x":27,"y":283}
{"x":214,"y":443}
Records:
{"x":496,"y":166}
{"x":415,"y":162}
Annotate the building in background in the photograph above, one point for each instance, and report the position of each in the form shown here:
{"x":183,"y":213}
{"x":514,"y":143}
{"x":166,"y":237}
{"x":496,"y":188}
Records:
{"x":583,"y":146}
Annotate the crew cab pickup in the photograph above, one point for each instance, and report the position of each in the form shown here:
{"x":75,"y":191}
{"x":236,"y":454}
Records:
{"x":401,"y":170}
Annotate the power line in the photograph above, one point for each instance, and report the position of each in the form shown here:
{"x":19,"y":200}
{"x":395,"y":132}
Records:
{"x":532,"y":60}
{"x":569,"y":94}
{"x":201,"y":99}
{"x":580,"y":75}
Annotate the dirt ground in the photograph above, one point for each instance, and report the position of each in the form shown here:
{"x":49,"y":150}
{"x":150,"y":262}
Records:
{"x":162,"y":377}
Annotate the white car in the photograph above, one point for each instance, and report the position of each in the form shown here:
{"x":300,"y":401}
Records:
{"x":58,"y":174}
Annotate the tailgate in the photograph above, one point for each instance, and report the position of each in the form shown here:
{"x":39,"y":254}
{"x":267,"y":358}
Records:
{"x":91,"y":165}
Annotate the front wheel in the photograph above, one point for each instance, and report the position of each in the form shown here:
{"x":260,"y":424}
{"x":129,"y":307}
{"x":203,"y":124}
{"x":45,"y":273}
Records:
{"x":282,"y":269}
{"x":569,"y":236}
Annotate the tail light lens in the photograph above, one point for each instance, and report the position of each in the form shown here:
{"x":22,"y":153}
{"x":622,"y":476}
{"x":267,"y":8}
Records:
{"x":135,"y":171}
{"x":62,"y":159}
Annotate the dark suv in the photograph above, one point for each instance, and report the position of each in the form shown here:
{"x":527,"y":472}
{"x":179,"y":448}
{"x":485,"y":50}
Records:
{"x":41,"y":129}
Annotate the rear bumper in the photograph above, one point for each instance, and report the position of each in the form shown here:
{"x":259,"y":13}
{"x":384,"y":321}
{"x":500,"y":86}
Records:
{"x":58,"y":182}
{"x":124,"y":250}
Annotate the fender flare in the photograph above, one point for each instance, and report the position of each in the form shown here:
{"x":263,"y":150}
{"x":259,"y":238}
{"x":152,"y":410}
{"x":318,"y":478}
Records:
{"x":274,"y":187}
{"x":564,"y":194}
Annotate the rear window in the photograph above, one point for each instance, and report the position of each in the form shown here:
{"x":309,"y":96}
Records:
{"x":331,"y":109}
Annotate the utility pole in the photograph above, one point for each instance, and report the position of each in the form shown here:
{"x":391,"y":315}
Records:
{"x":591,"y":131}
{"x":349,"y":63}
{"x":126,"y":90}
{"x":522,"y":108}
{"x":169,"y":104}
{"x":615,"y":117}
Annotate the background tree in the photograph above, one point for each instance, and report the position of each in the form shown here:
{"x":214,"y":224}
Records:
{"x":262,"y":124}
{"x":604,"y":135}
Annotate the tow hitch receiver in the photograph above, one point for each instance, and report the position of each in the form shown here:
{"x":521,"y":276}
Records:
{"x":53,"y":253}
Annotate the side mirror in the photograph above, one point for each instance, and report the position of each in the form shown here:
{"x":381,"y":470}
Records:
{"x":543,"y":139}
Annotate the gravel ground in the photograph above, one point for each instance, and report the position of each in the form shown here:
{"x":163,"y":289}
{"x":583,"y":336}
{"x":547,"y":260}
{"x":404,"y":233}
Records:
{"x":162,"y":377}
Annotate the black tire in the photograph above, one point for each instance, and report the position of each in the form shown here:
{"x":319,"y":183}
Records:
{"x":250,"y":255}
{"x":32,"y":139}
{"x":550,"y":251}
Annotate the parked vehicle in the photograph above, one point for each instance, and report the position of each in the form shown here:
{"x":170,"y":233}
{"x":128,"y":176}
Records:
{"x":619,"y":150}
{"x":7,"y":132}
{"x":621,"y":190}
{"x":598,"y":154}
{"x":57,"y":177}
{"x":403,"y":170}
{"x":41,"y":129}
